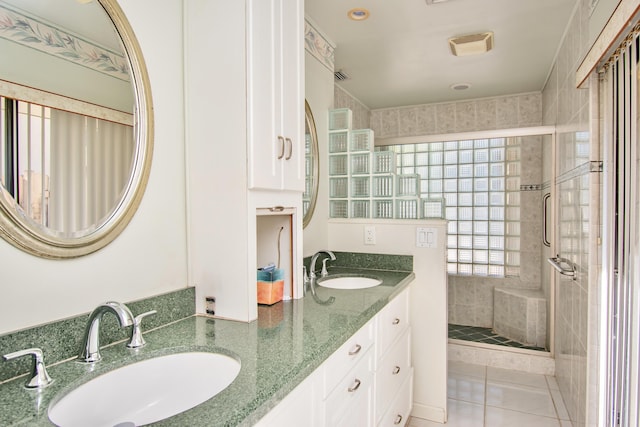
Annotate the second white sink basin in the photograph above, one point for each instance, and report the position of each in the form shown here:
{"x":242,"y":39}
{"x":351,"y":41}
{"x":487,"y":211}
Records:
{"x":146,"y":391}
{"x":349,"y":282}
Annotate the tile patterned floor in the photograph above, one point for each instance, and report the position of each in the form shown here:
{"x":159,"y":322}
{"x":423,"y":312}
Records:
{"x":484,"y":335}
{"x":480,"y":396}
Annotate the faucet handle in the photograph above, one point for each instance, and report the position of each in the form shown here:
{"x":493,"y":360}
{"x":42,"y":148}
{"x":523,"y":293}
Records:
{"x":39,"y":377}
{"x":137,"y":340}
{"x":324,"y":272}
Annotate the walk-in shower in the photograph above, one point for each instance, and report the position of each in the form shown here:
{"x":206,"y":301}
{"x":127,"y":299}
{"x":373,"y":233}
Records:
{"x":497,"y":194}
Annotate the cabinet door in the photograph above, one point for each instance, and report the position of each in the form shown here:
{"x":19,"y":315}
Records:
{"x":293,"y":94}
{"x":351,"y":402}
{"x":298,"y":408}
{"x":275,"y":96}
{"x":262,"y":49}
{"x":399,"y":410}
{"x":393,"y":369}
{"x":393,"y":320}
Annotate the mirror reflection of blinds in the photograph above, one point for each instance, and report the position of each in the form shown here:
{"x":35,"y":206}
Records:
{"x":66,"y":171}
{"x":10,"y":137}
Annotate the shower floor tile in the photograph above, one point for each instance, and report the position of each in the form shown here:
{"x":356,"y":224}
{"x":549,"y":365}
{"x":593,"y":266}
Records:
{"x":485,"y":336}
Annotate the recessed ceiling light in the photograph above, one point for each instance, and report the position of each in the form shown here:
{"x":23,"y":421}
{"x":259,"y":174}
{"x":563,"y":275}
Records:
{"x":472,"y":44}
{"x":358,"y":14}
{"x":460,"y":86}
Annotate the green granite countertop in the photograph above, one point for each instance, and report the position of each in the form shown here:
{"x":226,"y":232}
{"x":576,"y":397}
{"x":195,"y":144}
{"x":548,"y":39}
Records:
{"x":289,"y":340}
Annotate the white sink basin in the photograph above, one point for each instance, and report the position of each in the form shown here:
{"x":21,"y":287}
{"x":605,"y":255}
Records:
{"x":146,"y":391}
{"x":349,"y":282}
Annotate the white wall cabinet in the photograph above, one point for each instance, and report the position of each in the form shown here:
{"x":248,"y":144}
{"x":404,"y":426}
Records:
{"x":275,"y":94}
{"x":260,"y":85}
{"x":367,"y":381}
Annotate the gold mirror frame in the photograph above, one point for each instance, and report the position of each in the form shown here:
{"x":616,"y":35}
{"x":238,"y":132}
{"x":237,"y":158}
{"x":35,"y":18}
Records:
{"x":315,"y":163}
{"x":24,"y":234}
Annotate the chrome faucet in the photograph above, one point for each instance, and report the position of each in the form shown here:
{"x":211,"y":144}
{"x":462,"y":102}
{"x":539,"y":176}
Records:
{"x":314,"y":258}
{"x":90,"y":351}
{"x":313,"y":276}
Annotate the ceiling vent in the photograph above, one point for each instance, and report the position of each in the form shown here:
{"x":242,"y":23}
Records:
{"x":429,"y":2}
{"x":472,"y":44}
{"x":340,"y":76}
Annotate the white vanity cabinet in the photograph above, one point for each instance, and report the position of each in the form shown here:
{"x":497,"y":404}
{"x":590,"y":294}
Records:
{"x":393,"y":369}
{"x":275,"y":94}
{"x":366,"y":382}
{"x":298,"y":408}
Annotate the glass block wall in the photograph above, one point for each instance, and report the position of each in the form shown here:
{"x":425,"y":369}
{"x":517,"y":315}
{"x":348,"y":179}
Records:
{"x":479,"y":181}
{"x":364,"y":183}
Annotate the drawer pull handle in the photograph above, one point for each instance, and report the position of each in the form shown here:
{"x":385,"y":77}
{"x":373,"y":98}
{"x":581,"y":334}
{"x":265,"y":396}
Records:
{"x":290,"y":148}
{"x":398,"y":419}
{"x":396,"y":370}
{"x":355,"y":350}
{"x":395,"y":321}
{"x":282,"y":143}
{"x":355,"y":386}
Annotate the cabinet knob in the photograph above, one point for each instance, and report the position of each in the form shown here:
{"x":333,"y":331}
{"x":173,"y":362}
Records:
{"x":281,"y":139}
{"x":355,"y":386}
{"x":395,"y":321}
{"x":398,"y":419}
{"x":355,"y":350}
{"x":396,"y":370}
{"x":290,"y":148}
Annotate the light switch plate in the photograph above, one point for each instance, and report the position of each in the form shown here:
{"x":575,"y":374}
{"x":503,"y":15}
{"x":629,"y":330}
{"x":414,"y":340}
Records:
{"x":426,"y":237}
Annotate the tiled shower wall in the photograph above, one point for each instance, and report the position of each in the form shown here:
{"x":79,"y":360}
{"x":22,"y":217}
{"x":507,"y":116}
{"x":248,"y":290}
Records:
{"x":361,"y":115}
{"x":504,"y":112}
{"x":569,"y":109}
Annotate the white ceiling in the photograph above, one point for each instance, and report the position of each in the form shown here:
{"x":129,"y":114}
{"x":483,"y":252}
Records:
{"x":400,"y":55}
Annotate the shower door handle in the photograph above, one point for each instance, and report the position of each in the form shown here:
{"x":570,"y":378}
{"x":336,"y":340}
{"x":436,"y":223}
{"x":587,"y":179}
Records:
{"x":545,"y":209}
{"x":559,"y":264}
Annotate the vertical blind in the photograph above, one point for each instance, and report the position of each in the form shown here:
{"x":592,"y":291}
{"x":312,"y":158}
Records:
{"x":66,"y":171}
{"x":620,"y":358}
{"x":91,"y":160}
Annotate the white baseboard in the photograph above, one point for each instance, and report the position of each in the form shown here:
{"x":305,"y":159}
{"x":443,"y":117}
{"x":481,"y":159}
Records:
{"x":430,"y":413}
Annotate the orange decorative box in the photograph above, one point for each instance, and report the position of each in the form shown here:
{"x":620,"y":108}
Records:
{"x":270,"y":286}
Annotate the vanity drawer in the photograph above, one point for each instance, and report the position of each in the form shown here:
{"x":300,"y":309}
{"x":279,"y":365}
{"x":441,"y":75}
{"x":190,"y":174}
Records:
{"x":352,"y":398}
{"x":393,"y":320}
{"x":346,"y":357}
{"x":392,"y":371}
{"x":398,"y":412}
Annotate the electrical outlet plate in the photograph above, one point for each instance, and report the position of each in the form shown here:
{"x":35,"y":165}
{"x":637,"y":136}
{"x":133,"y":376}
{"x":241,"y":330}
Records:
{"x":369,"y":235}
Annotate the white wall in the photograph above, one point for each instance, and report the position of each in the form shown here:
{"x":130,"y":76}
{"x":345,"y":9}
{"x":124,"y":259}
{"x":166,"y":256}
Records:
{"x":428,"y":300}
{"x":319,"y":95}
{"x":215,"y":135}
{"x":149,"y":257}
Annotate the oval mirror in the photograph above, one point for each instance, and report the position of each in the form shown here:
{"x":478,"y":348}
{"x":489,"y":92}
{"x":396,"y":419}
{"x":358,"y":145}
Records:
{"x":76,"y":125}
{"x":311,"y":166}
